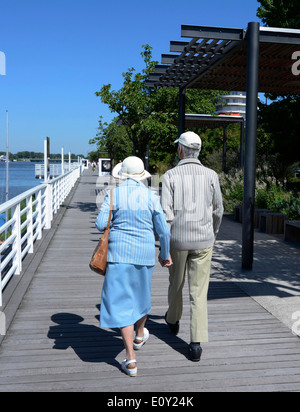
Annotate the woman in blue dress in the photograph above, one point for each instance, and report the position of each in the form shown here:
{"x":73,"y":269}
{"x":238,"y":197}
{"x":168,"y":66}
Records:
{"x":126,"y":293}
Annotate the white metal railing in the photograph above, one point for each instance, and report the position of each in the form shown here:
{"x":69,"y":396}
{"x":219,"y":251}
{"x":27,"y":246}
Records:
{"x":55,"y":170}
{"x":26,"y":217}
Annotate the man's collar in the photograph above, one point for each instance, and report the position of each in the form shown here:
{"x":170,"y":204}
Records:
{"x":189,"y":160}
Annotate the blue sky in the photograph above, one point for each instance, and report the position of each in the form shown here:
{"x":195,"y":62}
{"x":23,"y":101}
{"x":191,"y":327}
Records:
{"x":60,"y":52}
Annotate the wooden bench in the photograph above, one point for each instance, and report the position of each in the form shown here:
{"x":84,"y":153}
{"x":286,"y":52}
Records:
{"x":272,"y":223}
{"x":292,"y":231}
{"x":257,"y":214}
{"x":238,"y":215}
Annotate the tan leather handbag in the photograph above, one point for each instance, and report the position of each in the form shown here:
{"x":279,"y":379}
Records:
{"x":99,"y":259}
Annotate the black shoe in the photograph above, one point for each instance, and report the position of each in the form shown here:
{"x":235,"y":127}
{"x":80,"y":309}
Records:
{"x":174,"y":327}
{"x":195,"y":352}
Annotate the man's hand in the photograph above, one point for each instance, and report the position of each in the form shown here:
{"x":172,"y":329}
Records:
{"x":165,"y":263}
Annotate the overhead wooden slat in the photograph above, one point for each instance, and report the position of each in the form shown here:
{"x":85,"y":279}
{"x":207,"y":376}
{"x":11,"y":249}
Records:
{"x":216,"y":58}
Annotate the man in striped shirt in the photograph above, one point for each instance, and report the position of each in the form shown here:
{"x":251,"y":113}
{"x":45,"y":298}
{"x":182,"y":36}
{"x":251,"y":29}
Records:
{"x":192,"y":203}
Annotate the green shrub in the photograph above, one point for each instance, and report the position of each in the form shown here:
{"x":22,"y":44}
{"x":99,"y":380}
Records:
{"x":232,"y":186}
{"x":269,"y":194}
{"x":290,"y":207}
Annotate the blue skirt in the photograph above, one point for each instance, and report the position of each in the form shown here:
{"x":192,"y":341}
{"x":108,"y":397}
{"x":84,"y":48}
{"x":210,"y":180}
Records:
{"x":126,"y":294}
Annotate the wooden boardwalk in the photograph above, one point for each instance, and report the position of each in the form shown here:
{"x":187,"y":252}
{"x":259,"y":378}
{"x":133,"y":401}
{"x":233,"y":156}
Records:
{"x":55,"y":344}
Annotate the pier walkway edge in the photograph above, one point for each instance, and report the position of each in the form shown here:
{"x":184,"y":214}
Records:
{"x":53,"y":341}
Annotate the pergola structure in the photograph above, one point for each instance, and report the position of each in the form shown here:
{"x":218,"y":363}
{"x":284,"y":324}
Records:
{"x":255,"y":59}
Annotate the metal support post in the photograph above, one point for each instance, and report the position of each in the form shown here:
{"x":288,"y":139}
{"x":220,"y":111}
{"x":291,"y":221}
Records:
{"x":250,"y":145}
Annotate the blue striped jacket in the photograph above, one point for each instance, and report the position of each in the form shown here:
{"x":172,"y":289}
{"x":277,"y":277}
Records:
{"x":136,"y":209}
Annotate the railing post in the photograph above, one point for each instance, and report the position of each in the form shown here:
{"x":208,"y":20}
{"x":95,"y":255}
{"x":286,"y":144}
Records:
{"x":39,"y":215}
{"x":63,"y":192}
{"x":48,"y":206}
{"x":46,"y":145}
{"x":30,"y":224}
{"x":16,"y":231}
{"x":55,"y":188}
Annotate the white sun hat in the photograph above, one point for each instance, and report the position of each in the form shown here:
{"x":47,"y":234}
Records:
{"x":131,"y":168}
{"x":190,"y":139}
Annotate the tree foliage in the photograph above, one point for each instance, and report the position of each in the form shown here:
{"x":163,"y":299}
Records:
{"x":112,"y":139}
{"x":280,"y":13}
{"x":141,"y":110}
{"x":148,"y":116}
{"x":279,"y":121}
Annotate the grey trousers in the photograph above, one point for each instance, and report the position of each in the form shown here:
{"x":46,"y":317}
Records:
{"x":197,"y":265}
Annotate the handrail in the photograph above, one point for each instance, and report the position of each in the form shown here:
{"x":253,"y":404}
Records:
{"x":17,"y":199}
{"x":27,"y":215}
{"x":55,"y":170}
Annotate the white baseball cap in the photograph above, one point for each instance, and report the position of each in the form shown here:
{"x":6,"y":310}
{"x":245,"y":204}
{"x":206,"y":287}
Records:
{"x":131,"y":168}
{"x":190,"y":139}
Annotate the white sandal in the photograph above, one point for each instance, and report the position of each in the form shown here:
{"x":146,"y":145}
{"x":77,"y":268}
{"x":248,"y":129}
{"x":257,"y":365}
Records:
{"x":143,"y":340}
{"x":130,"y":372}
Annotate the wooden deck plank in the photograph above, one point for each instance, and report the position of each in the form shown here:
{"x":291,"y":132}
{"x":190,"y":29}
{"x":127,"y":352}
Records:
{"x":55,"y":343}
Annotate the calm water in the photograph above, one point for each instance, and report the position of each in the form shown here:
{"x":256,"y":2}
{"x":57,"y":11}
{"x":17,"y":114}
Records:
{"x":21,"y":178}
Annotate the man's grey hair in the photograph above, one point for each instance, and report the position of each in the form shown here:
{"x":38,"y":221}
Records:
{"x":189,"y":153}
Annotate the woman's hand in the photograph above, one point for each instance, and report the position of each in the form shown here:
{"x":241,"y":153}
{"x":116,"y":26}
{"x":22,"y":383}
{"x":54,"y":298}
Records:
{"x":165,"y":263}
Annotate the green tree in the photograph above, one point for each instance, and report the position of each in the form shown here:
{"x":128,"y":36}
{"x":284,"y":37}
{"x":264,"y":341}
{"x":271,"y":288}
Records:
{"x":280,"y":13}
{"x":93,"y":156}
{"x":280,"y":120}
{"x":149,"y":115}
{"x":138,"y":107}
{"x":279,"y":125}
{"x":112,"y":139}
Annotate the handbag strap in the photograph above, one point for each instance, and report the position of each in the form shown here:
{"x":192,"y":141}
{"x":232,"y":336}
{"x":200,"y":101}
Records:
{"x":111,"y":208}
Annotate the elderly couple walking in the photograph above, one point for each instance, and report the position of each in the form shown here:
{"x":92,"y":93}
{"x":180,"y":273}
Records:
{"x":187,"y":223}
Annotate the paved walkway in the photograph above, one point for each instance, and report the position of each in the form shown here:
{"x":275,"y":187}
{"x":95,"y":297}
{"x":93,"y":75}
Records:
{"x":274,"y":281}
{"x":55,"y":344}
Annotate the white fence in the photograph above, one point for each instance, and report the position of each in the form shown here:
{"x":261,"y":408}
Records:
{"x":54,"y":170}
{"x":26,"y":217}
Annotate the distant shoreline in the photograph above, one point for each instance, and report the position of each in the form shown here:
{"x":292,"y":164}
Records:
{"x":37,"y":157}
